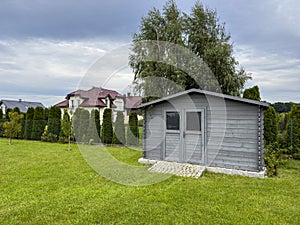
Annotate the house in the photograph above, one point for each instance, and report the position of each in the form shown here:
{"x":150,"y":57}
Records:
{"x":220,"y":132}
{"x":100,"y":98}
{"x":22,"y":105}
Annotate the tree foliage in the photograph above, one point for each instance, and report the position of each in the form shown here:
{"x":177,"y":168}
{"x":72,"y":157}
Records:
{"x":38,"y":124}
{"x":28,"y":123}
{"x":83,"y":125}
{"x":283,"y":107}
{"x":107,"y":129}
{"x":252,"y":93}
{"x":93,"y":126}
{"x":13,"y":127}
{"x":133,"y":129}
{"x":293,"y":128}
{"x":54,"y":121}
{"x":200,"y":32}
{"x":270,"y":125}
{"x":119,"y":132}
{"x":66,"y":128}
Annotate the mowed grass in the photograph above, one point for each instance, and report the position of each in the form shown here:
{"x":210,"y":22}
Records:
{"x":43,"y":183}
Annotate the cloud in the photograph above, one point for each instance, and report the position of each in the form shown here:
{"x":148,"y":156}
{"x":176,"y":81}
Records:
{"x":68,"y":19}
{"x":277,"y":75}
{"x":48,"y":67}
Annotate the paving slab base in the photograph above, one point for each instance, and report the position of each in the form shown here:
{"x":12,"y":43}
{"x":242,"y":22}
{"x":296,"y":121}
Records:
{"x":196,"y":171}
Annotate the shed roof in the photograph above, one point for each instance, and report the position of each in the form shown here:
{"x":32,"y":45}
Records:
{"x":208,"y":93}
{"x":22,"y":105}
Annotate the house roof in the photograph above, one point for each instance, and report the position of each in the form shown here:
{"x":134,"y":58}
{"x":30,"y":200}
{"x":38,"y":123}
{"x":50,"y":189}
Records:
{"x":132,"y":102}
{"x":64,"y":103}
{"x":95,"y":93}
{"x":94,"y":98}
{"x":22,"y":105}
{"x":208,"y":93}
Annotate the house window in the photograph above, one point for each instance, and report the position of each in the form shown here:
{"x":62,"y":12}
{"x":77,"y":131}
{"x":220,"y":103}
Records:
{"x":72,"y":104}
{"x":172,"y":120}
{"x":193,"y":121}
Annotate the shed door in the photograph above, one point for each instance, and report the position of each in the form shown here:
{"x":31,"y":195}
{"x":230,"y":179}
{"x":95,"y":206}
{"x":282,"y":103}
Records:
{"x":184,"y":140}
{"x":193,"y":138}
{"x":173,"y":136}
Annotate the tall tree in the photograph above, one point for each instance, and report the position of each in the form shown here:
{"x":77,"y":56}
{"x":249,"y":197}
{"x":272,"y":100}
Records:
{"x":76,"y":123}
{"x":66,"y":127}
{"x":203,"y":34}
{"x":107,"y":129}
{"x":252,"y":93}
{"x":97,"y":124}
{"x":54,"y":121}
{"x":1,"y":123}
{"x":293,"y":128}
{"x":13,"y":127}
{"x":133,"y":129}
{"x":38,"y":124}
{"x":83,"y":125}
{"x":270,"y":125}
{"x":28,"y":123}
{"x":119,"y":134}
{"x":92,"y":131}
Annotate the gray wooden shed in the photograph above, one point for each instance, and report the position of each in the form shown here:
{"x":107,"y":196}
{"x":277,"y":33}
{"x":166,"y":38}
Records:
{"x":205,"y":128}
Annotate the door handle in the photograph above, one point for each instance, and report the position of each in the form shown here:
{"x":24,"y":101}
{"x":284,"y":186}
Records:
{"x":183,"y":134}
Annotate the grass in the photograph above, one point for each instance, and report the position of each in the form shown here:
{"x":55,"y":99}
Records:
{"x":43,"y":183}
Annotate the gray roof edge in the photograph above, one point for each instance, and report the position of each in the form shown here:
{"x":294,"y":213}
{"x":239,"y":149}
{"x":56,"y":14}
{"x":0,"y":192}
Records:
{"x":22,"y":102}
{"x":214,"y":94}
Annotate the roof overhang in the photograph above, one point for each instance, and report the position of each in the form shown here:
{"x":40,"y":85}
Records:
{"x":207,"y":93}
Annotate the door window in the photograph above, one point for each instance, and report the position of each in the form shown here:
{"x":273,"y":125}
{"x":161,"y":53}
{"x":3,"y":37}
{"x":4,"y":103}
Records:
{"x":193,"y":121}
{"x":172,"y":120}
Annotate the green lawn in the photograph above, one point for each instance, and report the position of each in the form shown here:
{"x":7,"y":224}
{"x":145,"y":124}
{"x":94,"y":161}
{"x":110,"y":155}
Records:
{"x":43,"y":183}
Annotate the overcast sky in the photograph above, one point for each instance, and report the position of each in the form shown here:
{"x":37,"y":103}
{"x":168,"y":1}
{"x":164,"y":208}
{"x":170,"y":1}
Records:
{"x":47,"y":46}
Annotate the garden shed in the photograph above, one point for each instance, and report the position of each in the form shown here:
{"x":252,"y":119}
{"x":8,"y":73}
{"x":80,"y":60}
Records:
{"x":205,"y":128}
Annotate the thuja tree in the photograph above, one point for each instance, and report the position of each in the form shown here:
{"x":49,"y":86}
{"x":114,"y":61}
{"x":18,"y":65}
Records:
{"x":13,"y":127}
{"x":76,"y":121}
{"x":54,"y":121}
{"x":28,"y":123}
{"x":66,"y":128}
{"x":270,"y":126}
{"x":107,"y":129}
{"x":83,"y":125}
{"x":119,"y":133}
{"x":293,"y":128}
{"x":94,"y":125}
{"x":133,"y":129}
{"x":1,"y":123}
{"x":38,"y":124}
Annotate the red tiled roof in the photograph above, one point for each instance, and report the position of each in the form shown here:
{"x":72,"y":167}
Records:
{"x":132,"y":102}
{"x":95,"y":93}
{"x":92,"y":97}
{"x":63,"y":104}
{"x":92,"y":102}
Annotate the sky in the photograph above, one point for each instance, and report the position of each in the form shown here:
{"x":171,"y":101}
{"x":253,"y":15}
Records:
{"x":47,"y":47}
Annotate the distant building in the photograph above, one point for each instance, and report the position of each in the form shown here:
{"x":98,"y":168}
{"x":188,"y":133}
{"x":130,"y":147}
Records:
{"x":100,"y":98}
{"x":22,"y":105}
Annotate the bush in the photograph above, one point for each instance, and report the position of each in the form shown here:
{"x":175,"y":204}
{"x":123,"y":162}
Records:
{"x":272,"y":159}
{"x":133,"y":130}
{"x":107,"y":128}
{"x":119,"y":134}
{"x":54,"y":121}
